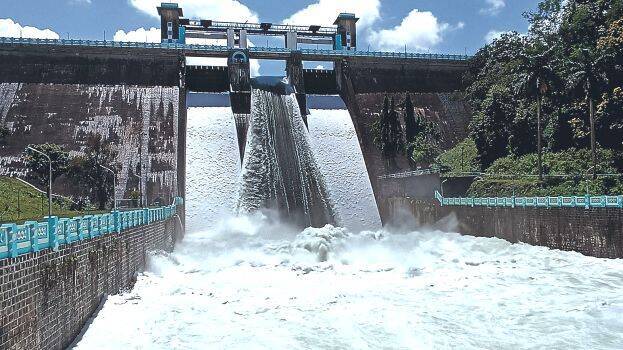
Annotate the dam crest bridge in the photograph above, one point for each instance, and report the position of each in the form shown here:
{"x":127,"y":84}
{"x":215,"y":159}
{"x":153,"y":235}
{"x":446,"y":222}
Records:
{"x":336,"y":44}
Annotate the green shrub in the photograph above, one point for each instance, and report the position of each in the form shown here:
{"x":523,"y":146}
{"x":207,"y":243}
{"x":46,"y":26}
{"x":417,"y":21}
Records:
{"x":565,"y":174}
{"x":462,"y":158}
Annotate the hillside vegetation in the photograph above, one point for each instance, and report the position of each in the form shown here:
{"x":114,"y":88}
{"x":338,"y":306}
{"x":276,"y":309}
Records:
{"x":20,"y":202}
{"x":560,"y":83}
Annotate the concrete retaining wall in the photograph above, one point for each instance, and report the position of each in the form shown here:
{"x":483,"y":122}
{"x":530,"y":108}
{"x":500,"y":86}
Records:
{"x":595,"y":232}
{"x":47,"y":297}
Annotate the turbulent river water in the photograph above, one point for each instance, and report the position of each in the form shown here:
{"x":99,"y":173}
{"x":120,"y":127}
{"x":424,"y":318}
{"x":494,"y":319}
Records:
{"x":253,"y":283}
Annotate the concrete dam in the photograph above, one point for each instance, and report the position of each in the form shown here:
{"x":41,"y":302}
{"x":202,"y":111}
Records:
{"x":287,"y":228}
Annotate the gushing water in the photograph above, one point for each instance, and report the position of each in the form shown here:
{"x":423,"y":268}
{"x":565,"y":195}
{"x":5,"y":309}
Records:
{"x":279,"y":171}
{"x":251,"y":282}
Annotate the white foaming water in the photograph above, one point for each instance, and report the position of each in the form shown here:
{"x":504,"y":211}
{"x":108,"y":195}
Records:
{"x":336,"y":148}
{"x":212,"y":166}
{"x":251,"y":283}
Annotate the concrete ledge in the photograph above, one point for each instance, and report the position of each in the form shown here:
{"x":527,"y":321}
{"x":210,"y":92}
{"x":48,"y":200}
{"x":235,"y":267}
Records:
{"x":594,"y":232}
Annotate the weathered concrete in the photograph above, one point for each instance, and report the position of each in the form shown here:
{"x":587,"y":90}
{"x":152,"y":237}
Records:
{"x":140,"y":123}
{"x":89,"y":65}
{"x":594,"y":232}
{"x":47,"y":297}
{"x":133,"y":98}
{"x":435,"y":90}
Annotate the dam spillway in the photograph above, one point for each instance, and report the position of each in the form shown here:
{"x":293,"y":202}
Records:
{"x":279,"y":170}
{"x":254,"y":282}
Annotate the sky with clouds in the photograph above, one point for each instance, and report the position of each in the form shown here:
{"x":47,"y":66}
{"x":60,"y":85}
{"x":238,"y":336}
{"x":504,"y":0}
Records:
{"x":440,"y":26}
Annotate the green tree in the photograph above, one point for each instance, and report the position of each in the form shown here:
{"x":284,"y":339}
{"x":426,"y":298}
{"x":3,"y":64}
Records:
{"x":462,"y":158}
{"x":388,"y":133}
{"x":38,"y":165}
{"x":424,"y":152}
{"x":489,"y":128}
{"x":414,"y":125}
{"x":535,"y":76}
{"x":397,"y":143}
{"x":86,"y":170}
{"x":586,"y":71}
{"x":610,"y":119}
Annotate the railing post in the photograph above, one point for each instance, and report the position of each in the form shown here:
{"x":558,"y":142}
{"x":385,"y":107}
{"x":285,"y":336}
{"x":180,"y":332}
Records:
{"x":4,"y":241}
{"x":52,"y":237}
{"x":84,"y":225}
{"x":31,"y":228}
{"x":115,"y":221}
{"x":12,"y":236}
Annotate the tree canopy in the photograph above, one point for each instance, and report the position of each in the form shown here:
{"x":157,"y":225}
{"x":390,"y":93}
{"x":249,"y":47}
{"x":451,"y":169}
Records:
{"x":571,"y":57}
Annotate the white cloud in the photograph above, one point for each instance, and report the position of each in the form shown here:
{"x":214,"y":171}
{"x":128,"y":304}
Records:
{"x":493,"y":35}
{"x":78,"y":2}
{"x":152,"y":35}
{"x":320,"y":66}
{"x":254,"y":65}
{"x":493,"y":7}
{"x":419,"y":31}
{"x":324,"y":12}
{"x":221,"y":10}
{"x":9,"y":28}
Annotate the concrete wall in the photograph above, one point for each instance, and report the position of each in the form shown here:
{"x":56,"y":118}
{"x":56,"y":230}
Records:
{"x":423,"y":186}
{"x":89,"y":65}
{"x":436,"y":92}
{"x":133,"y":98}
{"x":46,"y":297}
{"x":595,"y":232}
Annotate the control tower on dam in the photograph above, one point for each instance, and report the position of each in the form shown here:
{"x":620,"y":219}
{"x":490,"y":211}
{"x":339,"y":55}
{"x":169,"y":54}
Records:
{"x":134,"y":94}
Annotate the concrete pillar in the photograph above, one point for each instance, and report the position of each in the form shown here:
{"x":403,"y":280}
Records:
{"x":231,"y":39}
{"x":294,"y":72}
{"x":291,"y":40}
{"x":242,"y":126}
{"x":239,"y":74}
{"x":170,"y":15}
{"x":243,"y":39}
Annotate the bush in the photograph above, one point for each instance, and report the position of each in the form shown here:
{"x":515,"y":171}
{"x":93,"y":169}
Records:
{"x":565,"y":174}
{"x":462,"y":158}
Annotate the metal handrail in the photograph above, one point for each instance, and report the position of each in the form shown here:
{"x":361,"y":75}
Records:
{"x":33,"y":236}
{"x":586,"y":201}
{"x":221,"y":49}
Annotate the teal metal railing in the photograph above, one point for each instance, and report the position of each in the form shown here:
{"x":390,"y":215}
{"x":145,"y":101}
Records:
{"x":53,"y":232}
{"x":225,"y":49}
{"x":535,"y":202}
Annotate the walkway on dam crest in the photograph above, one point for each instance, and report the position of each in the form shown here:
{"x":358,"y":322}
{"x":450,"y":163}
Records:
{"x":222,"y":51}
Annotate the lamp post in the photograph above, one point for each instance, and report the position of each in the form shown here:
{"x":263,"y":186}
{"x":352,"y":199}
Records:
{"x":49,"y":178}
{"x":114,"y":186}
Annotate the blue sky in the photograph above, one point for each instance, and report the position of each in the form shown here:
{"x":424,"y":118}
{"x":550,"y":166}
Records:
{"x":441,"y":26}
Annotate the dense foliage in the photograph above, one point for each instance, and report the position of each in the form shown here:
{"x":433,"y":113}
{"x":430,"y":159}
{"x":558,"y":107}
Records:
{"x":571,"y":59}
{"x":418,"y":141}
{"x":86,"y":170}
{"x":461,"y":159}
{"x":565,"y":175}
{"x":39,"y":165}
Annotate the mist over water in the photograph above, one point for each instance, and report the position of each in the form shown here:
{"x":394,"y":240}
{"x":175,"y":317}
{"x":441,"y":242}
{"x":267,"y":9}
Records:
{"x":253,"y":282}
